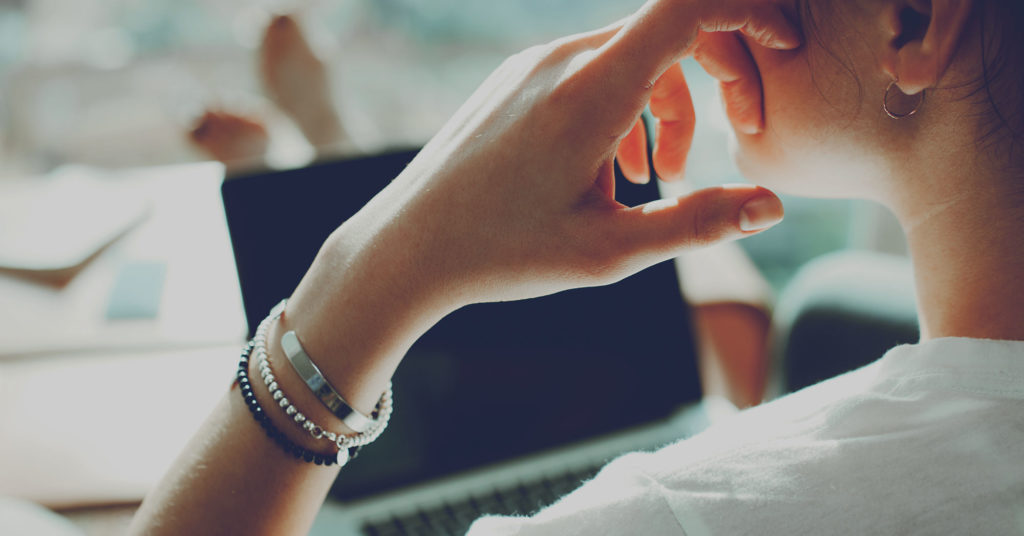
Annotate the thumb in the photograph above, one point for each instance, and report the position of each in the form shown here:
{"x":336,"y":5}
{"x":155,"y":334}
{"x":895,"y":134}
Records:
{"x":664,"y":228}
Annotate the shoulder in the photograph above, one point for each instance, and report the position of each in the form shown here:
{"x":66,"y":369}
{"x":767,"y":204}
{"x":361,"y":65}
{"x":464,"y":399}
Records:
{"x":888,"y":448}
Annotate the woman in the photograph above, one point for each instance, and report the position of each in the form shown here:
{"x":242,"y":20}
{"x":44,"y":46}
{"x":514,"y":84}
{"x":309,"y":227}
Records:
{"x":893,"y":100}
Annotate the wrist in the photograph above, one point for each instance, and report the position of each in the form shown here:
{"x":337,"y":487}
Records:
{"x":359,"y":308}
{"x":297,"y":394}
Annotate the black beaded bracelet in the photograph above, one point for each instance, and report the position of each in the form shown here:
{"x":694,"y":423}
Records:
{"x":272,"y":432}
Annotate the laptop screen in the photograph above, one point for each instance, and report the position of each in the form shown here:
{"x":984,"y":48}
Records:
{"x":490,"y":382}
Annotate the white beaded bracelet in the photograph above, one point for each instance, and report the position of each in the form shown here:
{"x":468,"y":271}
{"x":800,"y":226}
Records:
{"x":381,"y":414}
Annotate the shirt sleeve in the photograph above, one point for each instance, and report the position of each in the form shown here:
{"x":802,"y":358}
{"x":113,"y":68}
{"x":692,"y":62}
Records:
{"x":621,"y":499}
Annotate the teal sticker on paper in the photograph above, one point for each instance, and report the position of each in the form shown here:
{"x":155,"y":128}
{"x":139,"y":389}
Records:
{"x":137,"y":291}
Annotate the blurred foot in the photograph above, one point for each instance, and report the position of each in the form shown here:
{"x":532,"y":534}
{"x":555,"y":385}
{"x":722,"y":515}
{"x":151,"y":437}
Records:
{"x":238,"y":142}
{"x":296,"y":80}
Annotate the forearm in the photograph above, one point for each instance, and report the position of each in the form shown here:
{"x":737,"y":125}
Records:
{"x":232,"y":478}
{"x":360,"y":307}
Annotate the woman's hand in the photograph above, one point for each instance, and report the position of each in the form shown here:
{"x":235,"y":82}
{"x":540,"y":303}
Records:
{"x":514,"y":197}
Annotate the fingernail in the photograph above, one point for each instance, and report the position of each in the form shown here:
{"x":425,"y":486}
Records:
{"x":760,"y":213}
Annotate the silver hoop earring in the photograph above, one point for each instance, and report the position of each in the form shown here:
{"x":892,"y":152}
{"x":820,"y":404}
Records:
{"x":895,"y":115}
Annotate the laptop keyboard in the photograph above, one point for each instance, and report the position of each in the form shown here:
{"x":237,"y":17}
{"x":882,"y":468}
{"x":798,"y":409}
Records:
{"x":453,"y":519}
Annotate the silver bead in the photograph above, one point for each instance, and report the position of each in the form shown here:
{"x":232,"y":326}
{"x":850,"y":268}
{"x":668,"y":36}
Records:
{"x":342,"y":457}
{"x":273,"y":386}
{"x":300,"y":418}
{"x":290,"y":410}
{"x":307,"y":426}
{"x":278,"y":395}
{"x":283,"y":402}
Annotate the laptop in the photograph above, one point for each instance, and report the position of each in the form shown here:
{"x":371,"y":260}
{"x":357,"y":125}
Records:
{"x":535,"y":395}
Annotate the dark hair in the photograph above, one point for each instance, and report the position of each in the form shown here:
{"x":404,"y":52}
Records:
{"x":999,"y":86}
{"x":1001,"y":82}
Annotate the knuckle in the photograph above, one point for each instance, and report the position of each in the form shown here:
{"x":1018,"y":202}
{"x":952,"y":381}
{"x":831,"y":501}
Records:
{"x":568,"y":91}
{"x":741,"y":101}
{"x":534,"y":52}
{"x":562,"y":94}
{"x":699,"y":52}
{"x":755,"y":29}
{"x":707,"y":225}
{"x":558,"y":52}
{"x":701,"y":225}
{"x":510,"y":62}
{"x":526,"y":57}
{"x":561,"y":49}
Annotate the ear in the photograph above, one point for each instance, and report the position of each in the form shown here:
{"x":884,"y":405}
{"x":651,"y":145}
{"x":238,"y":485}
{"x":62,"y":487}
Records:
{"x":924,"y":38}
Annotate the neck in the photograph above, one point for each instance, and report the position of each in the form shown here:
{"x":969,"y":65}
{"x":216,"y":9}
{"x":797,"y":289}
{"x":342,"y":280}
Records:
{"x":968,"y":253}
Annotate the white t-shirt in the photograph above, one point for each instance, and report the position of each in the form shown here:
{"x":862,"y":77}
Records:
{"x":927,"y":440}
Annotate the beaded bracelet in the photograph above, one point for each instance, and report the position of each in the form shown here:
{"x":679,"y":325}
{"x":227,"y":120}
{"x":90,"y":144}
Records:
{"x":381,"y":413}
{"x":378,"y":419}
{"x":299,"y":452}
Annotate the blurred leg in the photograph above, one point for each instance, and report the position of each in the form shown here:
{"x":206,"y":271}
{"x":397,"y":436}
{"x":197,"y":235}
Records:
{"x":298,"y":83}
{"x":731,"y":304}
{"x":240,"y":143}
{"x":733,"y":351}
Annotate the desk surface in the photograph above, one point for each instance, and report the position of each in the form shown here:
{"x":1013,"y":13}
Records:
{"x":93,"y":410}
{"x":185,"y":230}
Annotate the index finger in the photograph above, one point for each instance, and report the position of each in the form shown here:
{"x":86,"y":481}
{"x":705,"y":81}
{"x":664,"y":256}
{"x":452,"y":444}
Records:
{"x":662,"y":31}
{"x":624,"y":69}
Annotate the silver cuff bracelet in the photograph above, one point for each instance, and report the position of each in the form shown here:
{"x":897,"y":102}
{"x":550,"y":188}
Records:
{"x":323,"y":390}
